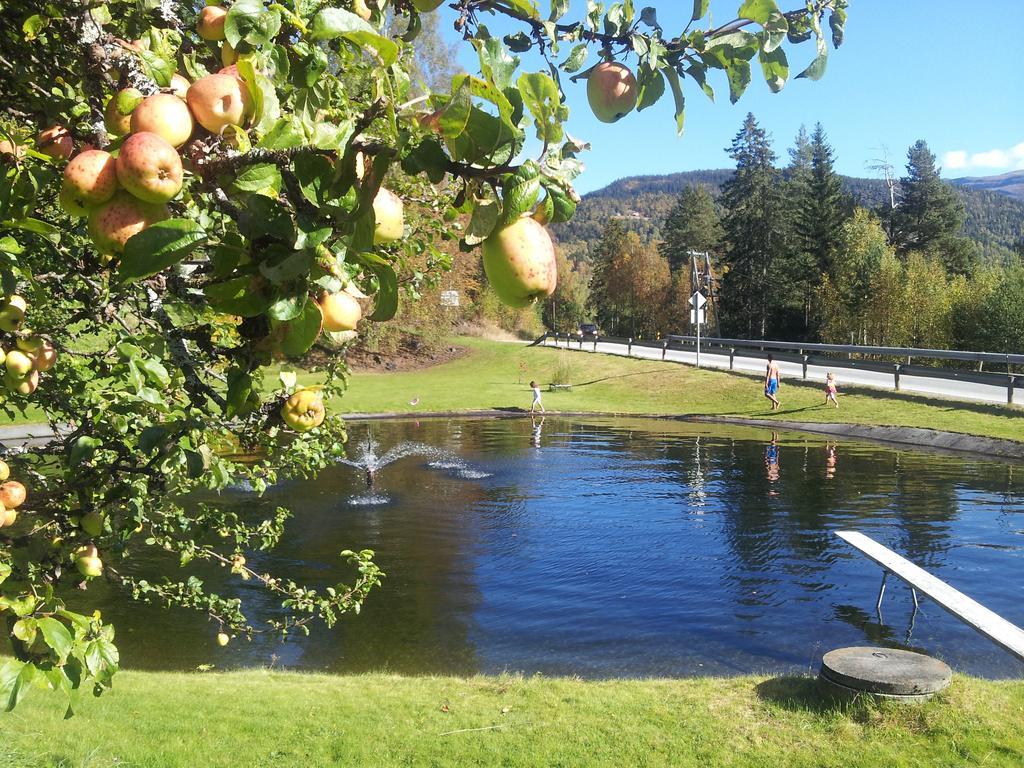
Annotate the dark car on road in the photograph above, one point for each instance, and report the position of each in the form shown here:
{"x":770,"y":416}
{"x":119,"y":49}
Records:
{"x":588,"y":331}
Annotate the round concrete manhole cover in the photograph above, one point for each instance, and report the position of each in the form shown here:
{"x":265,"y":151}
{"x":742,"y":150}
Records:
{"x":885,"y":671}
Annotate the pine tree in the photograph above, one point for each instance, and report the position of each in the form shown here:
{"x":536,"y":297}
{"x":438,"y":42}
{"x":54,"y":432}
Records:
{"x":693,"y":224}
{"x":754,"y":228}
{"x":929,"y":216}
{"x":817,"y":208}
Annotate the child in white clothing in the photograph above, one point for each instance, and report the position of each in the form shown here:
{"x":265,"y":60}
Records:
{"x":536,"y":397}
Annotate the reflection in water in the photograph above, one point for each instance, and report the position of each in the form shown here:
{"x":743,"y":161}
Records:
{"x":538,"y":426}
{"x":635,"y":547}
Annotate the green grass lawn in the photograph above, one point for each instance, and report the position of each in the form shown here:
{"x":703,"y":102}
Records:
{"x":259,"y":718}
{"x":489,"y":377}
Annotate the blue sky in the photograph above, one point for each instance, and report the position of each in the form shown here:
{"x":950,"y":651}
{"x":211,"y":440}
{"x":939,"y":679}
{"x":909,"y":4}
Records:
{"x":908,"y":70}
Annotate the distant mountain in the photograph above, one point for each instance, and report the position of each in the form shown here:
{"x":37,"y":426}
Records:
{"x":995,"y":218}
{"x":1010,"y":184}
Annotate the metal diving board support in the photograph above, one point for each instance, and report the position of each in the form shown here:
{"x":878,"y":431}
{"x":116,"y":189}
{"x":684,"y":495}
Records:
{"x":970,"y":612}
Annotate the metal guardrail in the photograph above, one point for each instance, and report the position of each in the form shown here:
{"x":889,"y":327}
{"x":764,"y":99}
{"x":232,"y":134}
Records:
{"x":804,"y":355}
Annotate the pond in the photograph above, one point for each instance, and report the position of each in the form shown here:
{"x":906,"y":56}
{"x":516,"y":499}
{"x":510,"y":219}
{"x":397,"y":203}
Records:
{"x":619,"y":548}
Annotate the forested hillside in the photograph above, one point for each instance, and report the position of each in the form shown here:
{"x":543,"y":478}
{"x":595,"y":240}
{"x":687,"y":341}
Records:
{"x":993,"y":219}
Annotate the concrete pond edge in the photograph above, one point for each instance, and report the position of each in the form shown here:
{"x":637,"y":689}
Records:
{"x":918,"y":438}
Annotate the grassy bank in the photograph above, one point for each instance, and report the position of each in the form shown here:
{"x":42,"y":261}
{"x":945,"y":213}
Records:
{"x":259,"y":718}
{"x":495,"y":375}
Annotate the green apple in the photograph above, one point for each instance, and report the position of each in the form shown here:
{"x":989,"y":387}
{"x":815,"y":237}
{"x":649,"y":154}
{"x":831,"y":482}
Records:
{"x":91,"y":523}
{"x":179,"y":85}
{"x":18,"y":364}
{"x":389,"y":216}
{"x":40,"y":350}
{"x":5,"y":471}
{"x":8,"y":517}
{"x":210,"y":24}
{"x":12,"y":313}
{"x":149,"y":167}
{"x":117,"y":116}
{"x":22,"y":385}
{"x":166,"y":115}
{"x":341,"y":311}
{"x":228,"y":55}
{"x":223,"y":639}
{"x":304,"y":410}
{"x":88,"y":562}
{"x":611,"y":91}
{"x":519,"y":261}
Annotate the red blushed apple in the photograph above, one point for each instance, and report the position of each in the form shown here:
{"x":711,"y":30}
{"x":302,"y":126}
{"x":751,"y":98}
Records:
{"x":611,"y":91}
{"x":218,"y":101}
{"x":14,"y":150}
{"x":56,"y":142}
{"x":149,"y":168}
{"x":89,"y":179}
{"x":210,"y":24}
{"x":12,"y":494}
{"x":166,"y":115}
{"x":114,"y":222}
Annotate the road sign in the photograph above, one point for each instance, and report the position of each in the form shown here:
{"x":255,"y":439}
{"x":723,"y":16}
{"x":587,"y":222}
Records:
{"x":697,"y":301}
{"x":698,"y":317}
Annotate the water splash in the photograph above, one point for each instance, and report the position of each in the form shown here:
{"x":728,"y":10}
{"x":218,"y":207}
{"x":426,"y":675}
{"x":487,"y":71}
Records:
{"x":369,"y":500}
{"x":367,"y":457}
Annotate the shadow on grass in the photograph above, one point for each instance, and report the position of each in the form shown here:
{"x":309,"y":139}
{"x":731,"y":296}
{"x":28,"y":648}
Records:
{"x":796,"y":693}
{"x":620,"y":376}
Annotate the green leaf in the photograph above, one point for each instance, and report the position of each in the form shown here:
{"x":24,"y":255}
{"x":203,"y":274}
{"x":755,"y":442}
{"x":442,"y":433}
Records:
{"x":287,"y":307}
{"x":837,"y":22}
{"x":299,"y":334}
{"x":158,"y":247}
{"x":15,"y":677}
{"x":558,"y":9}
{"x":56,"y":636}
{"x":281,"y":264}
{"x":33,"y":25}
{"x":249,"y":21}
{"x":240,"y":388}
{"x":157,"y":68}
{"x":482,"y":222}
{"x":386,"y":299}
{"x":738,"y":74}
{"x":518,"y":198}
{"x":651,"y":84}
{"x":314,"y":173}
{"x":286,"y":133}
{"x":677,"y":94}
{"x":816,"y":69}
{"x":543,"y":99}
{"x":243,"y":296}
{"x":331,"y":23}
{"x":700,"y":9}
{"x":5,"y":571}
{"x":758,"y":10}
{"x":564,"y":207}
{"x":775,"y":67}
{"x":263,"y":178}
{"x":155,"y":371}
{"x":577,"y":56}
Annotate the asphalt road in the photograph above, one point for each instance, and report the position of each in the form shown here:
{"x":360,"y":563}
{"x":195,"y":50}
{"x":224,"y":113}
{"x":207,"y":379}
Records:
{"x":929,"y":385}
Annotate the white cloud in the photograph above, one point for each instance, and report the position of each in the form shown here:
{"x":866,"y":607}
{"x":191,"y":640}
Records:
{"x":955,"y":159}
{"x":992,"y":159}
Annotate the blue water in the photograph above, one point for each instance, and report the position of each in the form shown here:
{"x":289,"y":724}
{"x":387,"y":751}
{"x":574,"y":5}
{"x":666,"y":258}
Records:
{"x":621,"y":548}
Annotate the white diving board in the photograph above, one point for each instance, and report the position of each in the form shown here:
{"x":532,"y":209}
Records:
{"x":970,"y":612}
